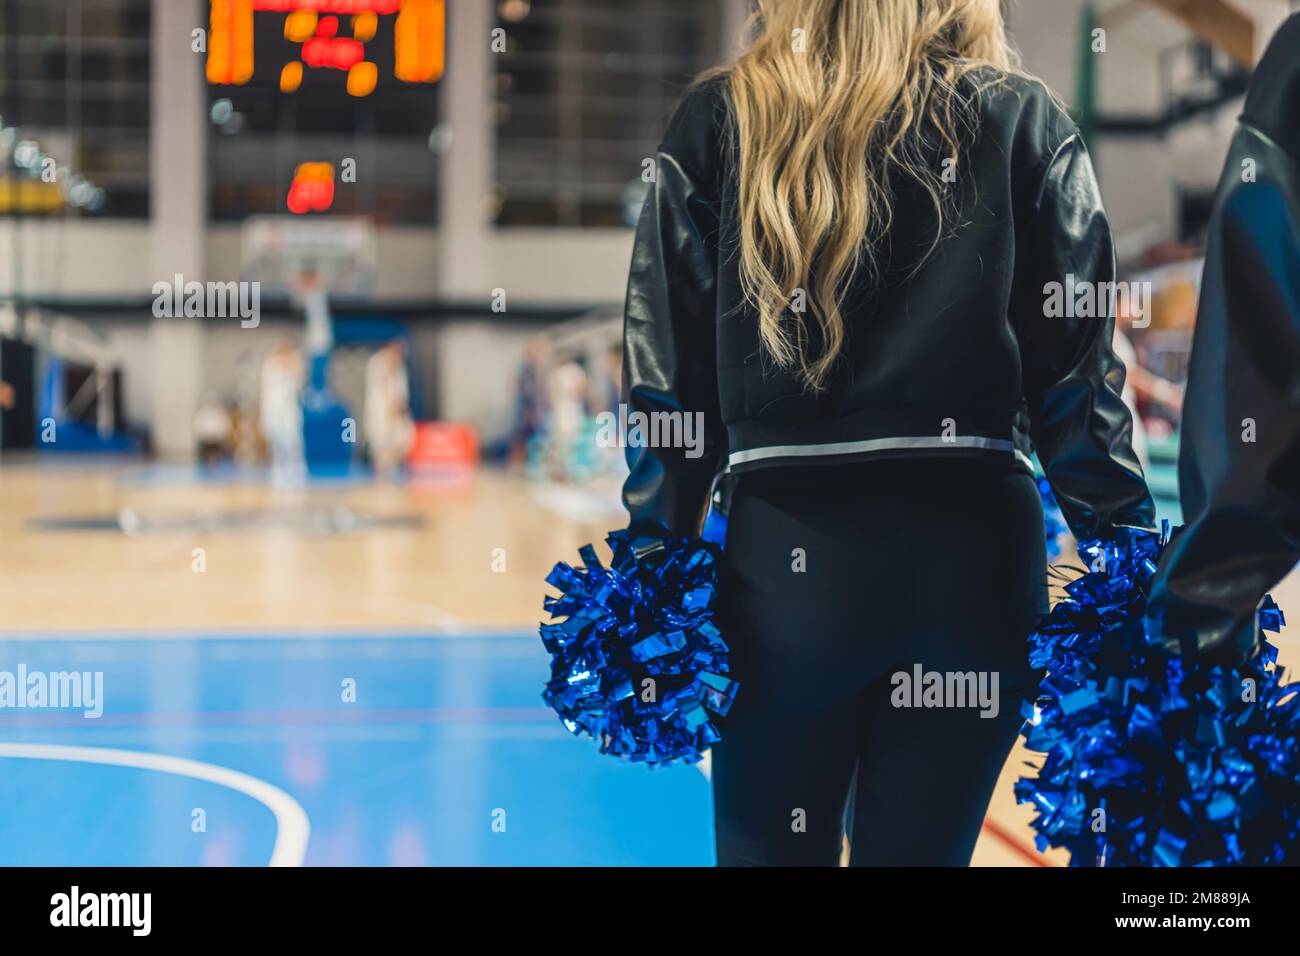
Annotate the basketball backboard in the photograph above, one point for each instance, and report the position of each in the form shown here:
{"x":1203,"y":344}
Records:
{"x":287,"y":254}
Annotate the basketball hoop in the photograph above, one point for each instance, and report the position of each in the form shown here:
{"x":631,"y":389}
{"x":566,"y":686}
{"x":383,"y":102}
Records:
{"x":305,"y":285}
{"x":302,"y":257}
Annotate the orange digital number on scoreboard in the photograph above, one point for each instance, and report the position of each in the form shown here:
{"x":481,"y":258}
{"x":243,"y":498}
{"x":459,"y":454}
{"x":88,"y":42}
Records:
{"x":312,"y":189}
{"x":419,"y":40}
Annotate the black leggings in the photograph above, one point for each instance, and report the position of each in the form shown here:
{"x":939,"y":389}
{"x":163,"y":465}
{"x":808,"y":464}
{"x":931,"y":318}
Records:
{"x":836,"y":579}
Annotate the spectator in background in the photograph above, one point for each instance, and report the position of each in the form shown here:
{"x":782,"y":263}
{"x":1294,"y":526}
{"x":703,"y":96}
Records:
{"x":530,"y":391}
{"x":569,"y":389}
{"x":1143,"y":387}
{"x":213,"y":429}
{"x":613,"y":378}
{"x":610,"y":460}
{"x":389,"y":428}
{"x":7,"y":397}
{"x":1125,"y":352}
{"x":1151,"y":389}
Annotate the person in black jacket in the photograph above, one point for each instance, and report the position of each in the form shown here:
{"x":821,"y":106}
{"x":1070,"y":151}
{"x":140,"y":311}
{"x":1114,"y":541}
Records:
{"x":875,"y":270}
{"x":1239,"y":462}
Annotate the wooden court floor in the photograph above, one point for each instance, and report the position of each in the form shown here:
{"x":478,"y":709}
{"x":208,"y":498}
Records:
{"x":232,"y":556}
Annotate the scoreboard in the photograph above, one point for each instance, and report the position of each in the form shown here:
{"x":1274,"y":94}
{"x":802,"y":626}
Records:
{"x":329,"y":35}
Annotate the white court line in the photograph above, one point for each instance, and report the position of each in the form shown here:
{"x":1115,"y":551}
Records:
{"x":705,"y":765}
{"x":292,"y":825}
{"x":427,"y":632}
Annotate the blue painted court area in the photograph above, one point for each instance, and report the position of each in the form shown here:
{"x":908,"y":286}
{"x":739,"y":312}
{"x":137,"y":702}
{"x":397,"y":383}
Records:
{"x":447,"y":756}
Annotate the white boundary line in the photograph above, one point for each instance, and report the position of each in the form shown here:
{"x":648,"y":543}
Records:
{"x":705,"y":765}
{"x":332,"y":633}
{"x":292,"y":825}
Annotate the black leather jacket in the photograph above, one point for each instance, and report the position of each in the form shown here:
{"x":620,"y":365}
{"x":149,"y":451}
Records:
{"x":1239,"y":464}
{"x":956,"y":359}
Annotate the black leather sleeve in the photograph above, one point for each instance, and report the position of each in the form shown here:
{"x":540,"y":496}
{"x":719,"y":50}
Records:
{"x":670,"y":353}
{"x":1239,"y":464}
{"x":1073,"y":381}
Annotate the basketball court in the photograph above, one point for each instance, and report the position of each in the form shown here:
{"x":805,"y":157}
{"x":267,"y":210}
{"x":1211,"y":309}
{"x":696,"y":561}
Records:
{"x":316,"y":660}
{"x":241,"y":669}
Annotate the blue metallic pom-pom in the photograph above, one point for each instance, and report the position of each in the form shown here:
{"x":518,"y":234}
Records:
{"x":1151,"y":759}
{"x":1053,"y":521}
{"x":637,"y":662}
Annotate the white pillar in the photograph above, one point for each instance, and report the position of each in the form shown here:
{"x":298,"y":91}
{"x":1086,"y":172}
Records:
{"x":179,"y":218}
{"x":467,"y":168}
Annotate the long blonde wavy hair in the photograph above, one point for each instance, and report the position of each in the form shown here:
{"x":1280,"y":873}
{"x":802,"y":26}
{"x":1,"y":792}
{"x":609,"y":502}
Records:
{"x":831,"y":99}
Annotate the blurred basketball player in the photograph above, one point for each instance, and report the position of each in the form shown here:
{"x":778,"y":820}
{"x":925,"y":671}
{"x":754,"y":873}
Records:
{"x":281,"y":409}
{"x":389,"y":428}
